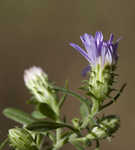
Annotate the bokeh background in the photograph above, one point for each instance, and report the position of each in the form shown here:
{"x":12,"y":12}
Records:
{"x":38,"y":32}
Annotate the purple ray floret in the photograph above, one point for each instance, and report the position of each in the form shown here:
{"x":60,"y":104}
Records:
{"x":98,"y":51}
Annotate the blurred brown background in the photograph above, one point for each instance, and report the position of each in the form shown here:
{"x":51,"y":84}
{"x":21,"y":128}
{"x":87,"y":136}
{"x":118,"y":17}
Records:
{"x":38,"y":32}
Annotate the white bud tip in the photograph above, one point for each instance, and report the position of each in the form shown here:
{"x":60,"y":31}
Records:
{"x":32,"y":73}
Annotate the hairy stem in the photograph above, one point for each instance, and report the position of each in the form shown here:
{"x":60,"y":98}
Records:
{"x":95,"y":107}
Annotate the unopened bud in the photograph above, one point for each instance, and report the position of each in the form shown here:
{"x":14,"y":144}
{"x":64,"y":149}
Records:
{"x":36,"y":80}
{"x":107,"y":126}
{"x":21,"y":139}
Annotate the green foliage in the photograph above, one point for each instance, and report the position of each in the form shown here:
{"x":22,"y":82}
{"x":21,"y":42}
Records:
{"x":18,"y":116}
{"x":82,"y":99}
{"x":38,"y":115}
{"x":47,"y":111}
{"x":43,"y":125}
{"x":45,"y":120}
{"x":84,"y":111}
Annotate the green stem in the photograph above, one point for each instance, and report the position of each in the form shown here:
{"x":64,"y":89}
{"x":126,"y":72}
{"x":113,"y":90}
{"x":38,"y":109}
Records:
{"x":82,"y":99}
{"x":58,"y":134}
{"x":97,"y":145}
{"x":62,"y":100}
{"x":95,"y":107}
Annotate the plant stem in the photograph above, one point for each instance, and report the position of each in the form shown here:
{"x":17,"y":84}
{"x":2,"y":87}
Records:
{"x":58,"y":134}
{"x":95,"y":107}
{"x":97,"y":145}
{"x":82,"y":99}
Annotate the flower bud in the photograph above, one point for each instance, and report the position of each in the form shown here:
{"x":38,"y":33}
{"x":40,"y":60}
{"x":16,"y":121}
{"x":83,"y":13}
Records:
{"x":21,"y":139}
{"x":36,"y":81}
{"x":107,"y":126}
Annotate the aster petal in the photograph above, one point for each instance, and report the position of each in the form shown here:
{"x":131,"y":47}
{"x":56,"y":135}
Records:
{"x":115,"y":46}
{"x":108,"y":56}
{"x":98,"y":51}
{"x":111,"y":38}
{"x":117,"y":41}
{"x":98,"y":38}
{"x":103,"y":53}
{"x":115,"y":52}
{"x":81,"y":51}
{"x":90,"y":46}
{"x":82,"y":39}
{"x":86,"y":38}
{"x":85,"y":70}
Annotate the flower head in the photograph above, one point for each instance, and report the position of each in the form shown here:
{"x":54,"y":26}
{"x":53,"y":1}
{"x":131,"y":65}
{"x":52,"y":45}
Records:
{"x":36,"y":80}
{"x":102,"y":57}
{"x":34,"y":74}
{"x":98,"y":51}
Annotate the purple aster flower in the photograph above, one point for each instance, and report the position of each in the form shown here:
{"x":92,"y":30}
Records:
{"x":98,"y":51}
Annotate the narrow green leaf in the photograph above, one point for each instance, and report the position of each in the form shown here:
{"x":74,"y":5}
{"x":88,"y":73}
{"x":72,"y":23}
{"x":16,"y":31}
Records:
{"x":84,"y":88}
{"x":39,"y":139}
{"x":84,"y":111}
{"x":18,"y":116}
{"x":78,"y":146}
{"x":82,"y":99}
{"x":37,"y":115}
{"x":64,"y":97}
{"x":52,"y":136}
{"x":73,"y":141}
{"x":66,"y":134}
{"x":62,"y":100}
{"x":92,"y":95}
{"x":47,"y":111}
{"x":43,"y":126}
{"x":114,"y":98}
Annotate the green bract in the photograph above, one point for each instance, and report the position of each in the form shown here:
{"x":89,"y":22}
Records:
{"x":101,"y":81}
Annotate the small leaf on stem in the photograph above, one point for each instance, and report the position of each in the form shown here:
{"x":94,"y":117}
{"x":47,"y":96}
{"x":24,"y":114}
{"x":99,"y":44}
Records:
{"x":18,"y":116}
